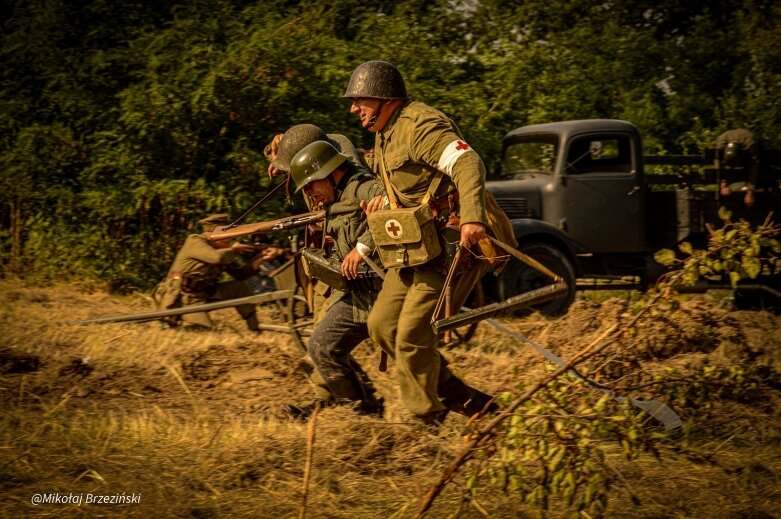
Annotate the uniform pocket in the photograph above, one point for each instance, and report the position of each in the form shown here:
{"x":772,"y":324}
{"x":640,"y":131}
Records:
{"x":396,"y":160}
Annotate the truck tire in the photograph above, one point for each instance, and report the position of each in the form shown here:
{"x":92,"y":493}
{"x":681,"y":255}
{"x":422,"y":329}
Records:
{"x":518,"y":278}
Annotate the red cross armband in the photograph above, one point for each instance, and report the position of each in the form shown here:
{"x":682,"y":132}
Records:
{"x":451,"y":154}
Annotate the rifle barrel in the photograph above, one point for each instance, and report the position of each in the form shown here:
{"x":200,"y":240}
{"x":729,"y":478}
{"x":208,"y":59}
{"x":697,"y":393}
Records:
{"x":281,"y":224}
{"x":206,"y":307}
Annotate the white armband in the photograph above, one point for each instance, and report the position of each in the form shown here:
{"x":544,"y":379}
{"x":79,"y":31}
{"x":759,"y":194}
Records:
{"x":452,"y":152}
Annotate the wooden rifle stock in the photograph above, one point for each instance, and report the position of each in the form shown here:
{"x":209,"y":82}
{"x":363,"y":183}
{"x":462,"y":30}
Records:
{"x":282,"y":224}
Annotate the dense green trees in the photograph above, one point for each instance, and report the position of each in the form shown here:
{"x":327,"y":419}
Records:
{"x":123,"y":122}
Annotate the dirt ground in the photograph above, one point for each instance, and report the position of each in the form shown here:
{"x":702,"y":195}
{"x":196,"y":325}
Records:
{"x":191,"y":422}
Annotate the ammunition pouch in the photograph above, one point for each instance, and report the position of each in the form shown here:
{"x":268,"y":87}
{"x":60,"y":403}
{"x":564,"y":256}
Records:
{"x":329,"y":271}
{"x":405,"y":237}
{"x":198,"y":285}
{"x":167,"y":294}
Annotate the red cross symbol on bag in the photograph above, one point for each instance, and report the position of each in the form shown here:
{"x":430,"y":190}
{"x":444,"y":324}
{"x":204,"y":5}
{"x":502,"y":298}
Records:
{"x":393,"y":228}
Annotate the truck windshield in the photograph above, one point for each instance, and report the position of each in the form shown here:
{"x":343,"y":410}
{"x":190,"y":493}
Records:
{"x":537,"y":155}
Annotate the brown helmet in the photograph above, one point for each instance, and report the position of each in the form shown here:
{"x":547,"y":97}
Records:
{"x":376,"y":79}
{"x":293,"y":140}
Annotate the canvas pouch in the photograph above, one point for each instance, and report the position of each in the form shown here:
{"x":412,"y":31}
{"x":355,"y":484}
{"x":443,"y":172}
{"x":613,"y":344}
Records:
{"x":405,"y":236}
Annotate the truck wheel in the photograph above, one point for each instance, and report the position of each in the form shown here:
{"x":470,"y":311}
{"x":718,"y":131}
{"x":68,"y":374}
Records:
{"x":518,"y":278}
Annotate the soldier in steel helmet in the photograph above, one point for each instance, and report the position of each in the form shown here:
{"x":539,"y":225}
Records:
{"x":280,"y":151}
{"x":740,"y":149}
{"x":194,"y":277}
{"x":331,"y":181}
{"x":284,"y":146}
{"x":412,"y":142}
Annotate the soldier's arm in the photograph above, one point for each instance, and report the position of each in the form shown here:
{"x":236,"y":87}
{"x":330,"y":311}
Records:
{"x":364,"y":245}
{"x":366,"y":191}
{"x":437,"y":144}
{"x":203,"y":251}
{"x":367,"y":159}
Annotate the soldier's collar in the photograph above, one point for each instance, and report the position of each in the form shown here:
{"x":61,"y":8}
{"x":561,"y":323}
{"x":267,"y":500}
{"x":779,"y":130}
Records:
{"x":392,"y":121}
{"x":348,"y":174}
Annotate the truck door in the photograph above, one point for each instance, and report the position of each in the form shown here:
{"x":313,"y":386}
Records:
{"x":601,"y":199}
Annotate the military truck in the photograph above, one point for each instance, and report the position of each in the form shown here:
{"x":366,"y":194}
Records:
{"x":582,"y":204}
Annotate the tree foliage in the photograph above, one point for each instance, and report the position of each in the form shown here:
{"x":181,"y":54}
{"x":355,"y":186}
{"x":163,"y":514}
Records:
{"x":124,"y":122}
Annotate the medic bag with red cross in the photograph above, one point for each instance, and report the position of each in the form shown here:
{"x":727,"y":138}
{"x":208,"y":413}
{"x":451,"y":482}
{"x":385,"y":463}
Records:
{"x":405,"y":236}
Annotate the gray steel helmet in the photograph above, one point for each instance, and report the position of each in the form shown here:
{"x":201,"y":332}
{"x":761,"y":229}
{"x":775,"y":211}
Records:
{"x":377,"y":79}
{"x":732,"y":153}
{"x":293,"y":140}
{"x":314,"y":162}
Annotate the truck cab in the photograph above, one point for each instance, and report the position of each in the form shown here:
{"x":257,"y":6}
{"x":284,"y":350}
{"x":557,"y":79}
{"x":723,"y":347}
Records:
{"x":579,"y":177}
{"x":581,"y":204}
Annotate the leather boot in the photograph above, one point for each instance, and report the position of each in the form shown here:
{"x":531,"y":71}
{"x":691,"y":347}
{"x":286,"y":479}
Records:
{"x":463,"y":399}
{"x":434,"y":419}
{"x":303,"y":412}
{"x":252,"y":323}
{"x":360,"y":408}
{"x":479,"y":403}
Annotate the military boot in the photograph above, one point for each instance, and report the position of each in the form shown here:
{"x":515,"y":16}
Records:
{"x":252,"y":323}
{"x":479,"y":402}
{"x":303,"y":412}
{"x":463,"y":399}
{"x":375,"y":408}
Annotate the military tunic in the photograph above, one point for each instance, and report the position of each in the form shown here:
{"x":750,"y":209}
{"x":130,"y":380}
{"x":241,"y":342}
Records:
{"x":416,"y":142}
{"x":199,"y":259}
{"x":341,"y":323}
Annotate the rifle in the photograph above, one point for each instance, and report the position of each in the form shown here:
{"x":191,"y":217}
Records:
{"x":255,"y":299}
{"x":281,"y":224}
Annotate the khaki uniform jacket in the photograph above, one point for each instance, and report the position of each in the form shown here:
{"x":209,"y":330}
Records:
{"x":419,"y":140}
{"x":415,"y":144}
{"x":346,"y":223}
{"x":196,"y":257}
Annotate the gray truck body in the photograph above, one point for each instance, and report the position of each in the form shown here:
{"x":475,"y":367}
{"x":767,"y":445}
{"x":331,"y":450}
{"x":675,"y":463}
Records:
{"x":577,"y":193}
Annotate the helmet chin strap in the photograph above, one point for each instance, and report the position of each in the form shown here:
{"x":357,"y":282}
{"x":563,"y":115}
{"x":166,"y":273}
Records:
{"x":373,"y":118}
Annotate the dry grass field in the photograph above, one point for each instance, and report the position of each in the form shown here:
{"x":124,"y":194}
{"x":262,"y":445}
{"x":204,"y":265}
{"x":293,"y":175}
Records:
{"x":172,"y":423}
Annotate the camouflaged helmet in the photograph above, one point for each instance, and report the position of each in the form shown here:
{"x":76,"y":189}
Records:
{"x":293,"y":140}
{"x":314,"y":162}
{"x":377,"y":79}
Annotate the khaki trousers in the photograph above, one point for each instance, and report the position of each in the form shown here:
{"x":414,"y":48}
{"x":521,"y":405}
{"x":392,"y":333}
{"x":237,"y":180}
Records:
{"x":225,"y":290}
{"x":400,"y":323}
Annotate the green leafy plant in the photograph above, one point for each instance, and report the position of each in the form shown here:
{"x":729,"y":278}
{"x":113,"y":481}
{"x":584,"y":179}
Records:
{"x":554,"y":449}
{"x":735,"y":252}
{"x":556,"y":444}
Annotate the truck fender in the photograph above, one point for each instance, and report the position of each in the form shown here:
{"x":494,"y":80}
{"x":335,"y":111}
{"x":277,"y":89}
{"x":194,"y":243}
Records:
{"x":546,"y":244}
{"x":528,"y":230}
